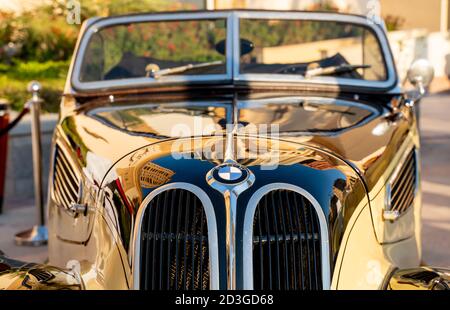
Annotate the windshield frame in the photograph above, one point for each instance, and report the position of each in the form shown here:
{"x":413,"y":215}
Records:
{"x":379,"y":33}
{"x":233,"y":58}
{"x":144,"y":81}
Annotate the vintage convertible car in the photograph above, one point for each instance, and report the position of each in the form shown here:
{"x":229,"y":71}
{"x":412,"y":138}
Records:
{"x":235,"y":150}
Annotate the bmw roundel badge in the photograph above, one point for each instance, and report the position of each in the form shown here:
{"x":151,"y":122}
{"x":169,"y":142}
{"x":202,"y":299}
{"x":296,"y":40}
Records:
{"x":230,"y":174}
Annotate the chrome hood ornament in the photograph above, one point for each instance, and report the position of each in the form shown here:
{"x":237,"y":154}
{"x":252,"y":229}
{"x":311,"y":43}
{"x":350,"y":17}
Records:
{"x":230,"y":176}
{"x":231,"y":179}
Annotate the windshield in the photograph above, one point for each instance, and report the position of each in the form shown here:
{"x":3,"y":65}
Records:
{"x":302,"y":47}
{"x":233,"y":47}
{"x":143,"y":49}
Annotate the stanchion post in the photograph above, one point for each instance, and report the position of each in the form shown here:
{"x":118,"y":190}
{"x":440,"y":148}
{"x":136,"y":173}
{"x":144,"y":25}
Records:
{"x":4,"y":121}
{"x":37,"y":235}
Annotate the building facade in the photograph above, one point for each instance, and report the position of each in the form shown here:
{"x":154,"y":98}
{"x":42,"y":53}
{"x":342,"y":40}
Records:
{"x":431,"y":15}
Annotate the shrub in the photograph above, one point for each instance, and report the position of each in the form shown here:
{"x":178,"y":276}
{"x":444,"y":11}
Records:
{"x":15,"y":78}
{"x":43,"y":34}
{"x":45,"y":43}
{"x":394,"y":23}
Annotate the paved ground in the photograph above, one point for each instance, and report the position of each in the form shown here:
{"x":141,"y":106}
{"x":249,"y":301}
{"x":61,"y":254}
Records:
{"x":19,"y":215}
{"x":436,"y":187}
{"x":435,"y":126}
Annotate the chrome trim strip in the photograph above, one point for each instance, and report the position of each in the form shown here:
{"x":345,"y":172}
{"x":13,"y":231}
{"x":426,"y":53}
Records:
{"x":86,"y":25}
{"x":231,"y":193}
{"x":212,"y":231}
{"x":51,"y":177}
{"x":417,"y":158}
{"x":248,"y":232}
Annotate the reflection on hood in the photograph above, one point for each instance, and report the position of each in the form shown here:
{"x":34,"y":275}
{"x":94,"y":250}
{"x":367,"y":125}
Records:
{"x":288,"y":115}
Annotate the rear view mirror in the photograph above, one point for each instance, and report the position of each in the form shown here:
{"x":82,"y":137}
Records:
{"x":421,"y":74}
{"x":245,"y":48}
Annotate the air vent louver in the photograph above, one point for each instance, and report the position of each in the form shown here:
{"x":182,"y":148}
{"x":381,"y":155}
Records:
{"x":65,"y":181}
{"x":403,"y":187}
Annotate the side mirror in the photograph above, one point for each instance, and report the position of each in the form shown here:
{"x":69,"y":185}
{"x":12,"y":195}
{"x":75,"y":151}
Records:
{"x":421,"y":75}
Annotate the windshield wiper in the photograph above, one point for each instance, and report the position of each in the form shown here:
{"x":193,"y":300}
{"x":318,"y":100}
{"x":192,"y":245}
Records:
{"x":334,"y":70}
{"x":153,"y":70}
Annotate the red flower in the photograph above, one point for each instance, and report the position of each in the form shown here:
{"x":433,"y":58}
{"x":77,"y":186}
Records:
{"x":171,"y":46}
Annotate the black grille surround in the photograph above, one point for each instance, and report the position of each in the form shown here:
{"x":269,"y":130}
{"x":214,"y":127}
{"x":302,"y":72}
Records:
{"x":286,"y":243}
{"x":66,"y":183}
{"x":403,"y":186}
{"x":174,"y":243}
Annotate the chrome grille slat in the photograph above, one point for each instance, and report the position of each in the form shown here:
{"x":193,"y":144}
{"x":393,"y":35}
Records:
{"x":60,"y":170}
{"x":314,"y":227}
{"x":277,"y":243}
{"x":61,"y":199}
{"x":286,"y":254}
{"x":65,"y":163}
{"x":269,"y":247}
{"x":292,"y":240}
{"x":408,"y":162}
{"x":402,"y":177}
{"x":193,"y":244}
{"x":64,"y":189}
{"x":202,"y":221}
{"x":260,"y":246}
{"x":154,"y":240}
{"x":59,"y":191}
{"x":297,"y":221}
{"x":308,"y":247}
{"x":406,"y":203}
{"x":400,"y":199}
{"x":186,"y":221}
{"x":170,"y":243}
{"x":178,"y":238}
